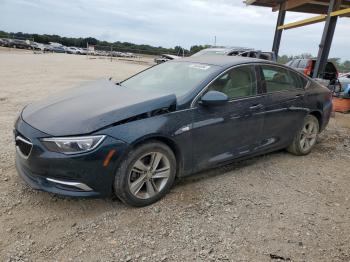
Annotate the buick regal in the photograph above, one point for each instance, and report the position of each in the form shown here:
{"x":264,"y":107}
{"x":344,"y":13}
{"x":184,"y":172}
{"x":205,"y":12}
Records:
{"x":133,"y":138}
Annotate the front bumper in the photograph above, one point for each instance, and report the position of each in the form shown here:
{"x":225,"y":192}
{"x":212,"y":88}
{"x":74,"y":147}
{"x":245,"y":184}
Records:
{"x":46,"y":184}
{"x":81,"y":175}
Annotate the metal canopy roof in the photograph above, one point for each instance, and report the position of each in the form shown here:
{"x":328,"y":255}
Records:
{"x":305,"y":6}
{"x":327,"y":10}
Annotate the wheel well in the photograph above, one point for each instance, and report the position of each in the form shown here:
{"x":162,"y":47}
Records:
{"x":318,"y":117}
{"x":171,"y":144}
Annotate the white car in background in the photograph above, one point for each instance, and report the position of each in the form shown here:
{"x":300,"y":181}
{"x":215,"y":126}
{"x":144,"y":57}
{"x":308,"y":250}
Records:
{"x":76,"y":50}
{"x":72,"y":50}
{"x":165,"y":57}
{"x":82,"y":51}
{"x":344,"y":80}
{"x":345,"y":76}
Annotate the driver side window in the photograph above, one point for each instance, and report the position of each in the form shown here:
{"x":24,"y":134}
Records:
{"x":239,"y":82}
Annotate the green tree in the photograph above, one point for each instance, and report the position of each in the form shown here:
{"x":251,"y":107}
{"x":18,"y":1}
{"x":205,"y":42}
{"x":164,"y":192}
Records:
{"x":196,"y":48}
{"x":283,"y":59}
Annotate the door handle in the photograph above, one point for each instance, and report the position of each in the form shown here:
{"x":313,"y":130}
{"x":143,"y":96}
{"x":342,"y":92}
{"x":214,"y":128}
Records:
{"x":298,"y":95}
{"x":256,"y":107}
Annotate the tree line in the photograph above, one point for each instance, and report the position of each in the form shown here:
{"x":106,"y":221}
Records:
{"x":103,"y":45}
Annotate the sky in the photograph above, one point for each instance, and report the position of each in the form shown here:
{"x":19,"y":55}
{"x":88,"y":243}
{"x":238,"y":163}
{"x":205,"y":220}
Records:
{"x":169,"y":23}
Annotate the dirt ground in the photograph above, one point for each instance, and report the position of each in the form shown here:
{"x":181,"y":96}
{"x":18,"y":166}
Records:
{"x":276,"y":207}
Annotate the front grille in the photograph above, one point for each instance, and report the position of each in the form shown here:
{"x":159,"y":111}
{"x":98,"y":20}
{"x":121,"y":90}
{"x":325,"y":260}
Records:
{"x":24,"y":145}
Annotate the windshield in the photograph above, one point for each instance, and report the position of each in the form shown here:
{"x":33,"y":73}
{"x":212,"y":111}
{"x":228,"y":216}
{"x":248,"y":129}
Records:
{"x":171,"y":77}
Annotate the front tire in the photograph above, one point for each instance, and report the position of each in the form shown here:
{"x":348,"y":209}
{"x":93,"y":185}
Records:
{"x":306,"y":137}
{"x":146,"y":174}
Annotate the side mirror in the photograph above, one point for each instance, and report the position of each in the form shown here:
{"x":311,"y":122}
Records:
{"x":214,"y":98}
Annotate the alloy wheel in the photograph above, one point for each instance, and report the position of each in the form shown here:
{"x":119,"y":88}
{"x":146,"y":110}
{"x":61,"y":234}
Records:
{"x":149,"y":175}
{"x":308,"y":136}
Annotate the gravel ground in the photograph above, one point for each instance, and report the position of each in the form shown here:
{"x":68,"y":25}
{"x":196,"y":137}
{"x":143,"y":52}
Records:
{"x":277,"y":207}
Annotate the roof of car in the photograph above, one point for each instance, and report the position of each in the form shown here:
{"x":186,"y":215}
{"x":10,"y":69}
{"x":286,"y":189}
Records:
{"x":229,"y":48}
{"x":223,"y":61}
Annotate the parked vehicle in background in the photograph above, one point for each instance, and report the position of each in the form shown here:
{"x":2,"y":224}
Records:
{"x":237,"y":51}
{"x":342,"y":74}
{"x":37,"y":46}
{"x":116,"y":54}
{"x":72,"y":50}
{"x":47,"y":48}
{"x":58,"y":49}
{"x":34,"y":46}
{"x":130,"y":55}
{"x":21,"y":44}
{"x":174,"y":119}
{"x":165,"y":57}
{"x":121,"y":54}
{"x":307,"y":66}
{"x":344,"y":80}
{"x":82,"y":51}
{"x":99,"y":53}
{"x":5,"y":42}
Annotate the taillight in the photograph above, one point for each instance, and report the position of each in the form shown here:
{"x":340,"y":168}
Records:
{"x":308,"y":68}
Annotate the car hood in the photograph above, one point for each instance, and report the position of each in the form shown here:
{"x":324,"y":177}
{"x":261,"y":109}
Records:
{"x":91,"y":107}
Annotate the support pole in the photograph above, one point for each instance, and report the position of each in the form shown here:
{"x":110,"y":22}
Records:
{"x":278,"y":32}
{"x":326,"y":41}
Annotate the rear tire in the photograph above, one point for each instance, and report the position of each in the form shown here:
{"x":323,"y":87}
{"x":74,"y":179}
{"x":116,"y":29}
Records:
{"x":306,"y":137}
{"x":146,"y":174}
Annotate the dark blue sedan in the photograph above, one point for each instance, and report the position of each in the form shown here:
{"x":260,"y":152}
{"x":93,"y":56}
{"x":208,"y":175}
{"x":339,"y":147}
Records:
{"x":135,"y":137}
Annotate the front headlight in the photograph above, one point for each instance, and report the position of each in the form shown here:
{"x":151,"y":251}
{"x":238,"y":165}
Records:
{"x":72,"y":145}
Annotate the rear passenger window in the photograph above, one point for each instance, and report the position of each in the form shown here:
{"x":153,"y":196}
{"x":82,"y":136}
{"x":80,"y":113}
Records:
{"x":300,"y":82}
{"x":279,"y":79}
{"x":303,"y":82}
